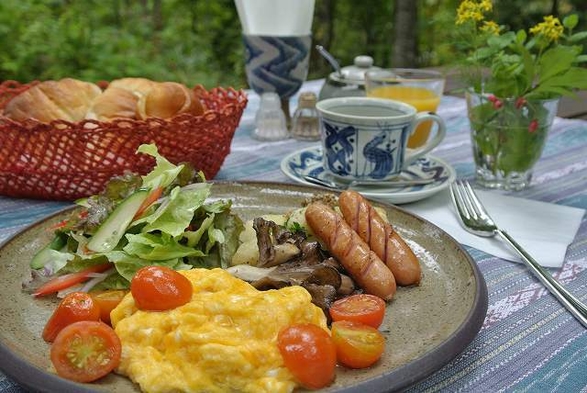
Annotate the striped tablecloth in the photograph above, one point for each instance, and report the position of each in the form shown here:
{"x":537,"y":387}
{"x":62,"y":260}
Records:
{"x":528,"y":342}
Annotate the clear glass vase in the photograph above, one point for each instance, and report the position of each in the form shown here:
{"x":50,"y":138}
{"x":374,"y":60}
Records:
{"x":508,"y":136}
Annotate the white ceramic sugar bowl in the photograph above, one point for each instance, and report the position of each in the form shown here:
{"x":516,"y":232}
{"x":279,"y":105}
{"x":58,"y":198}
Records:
{"x":349,"y":81}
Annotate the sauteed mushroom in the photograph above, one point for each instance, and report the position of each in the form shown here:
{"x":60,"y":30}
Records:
{"x":288,"y":258}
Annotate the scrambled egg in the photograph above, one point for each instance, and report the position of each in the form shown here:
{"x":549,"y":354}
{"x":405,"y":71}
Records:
{"x":224,"y":339}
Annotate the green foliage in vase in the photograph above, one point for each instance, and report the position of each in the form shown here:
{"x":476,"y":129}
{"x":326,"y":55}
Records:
{"x":508,"y":134}
{"x":543,"y":62}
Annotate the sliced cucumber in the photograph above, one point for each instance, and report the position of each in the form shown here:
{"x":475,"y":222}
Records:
{"x":113,"y":229}
{"x":45,"y":255}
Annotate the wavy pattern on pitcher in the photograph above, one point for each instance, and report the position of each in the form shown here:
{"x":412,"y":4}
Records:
{"x":276,"y":64}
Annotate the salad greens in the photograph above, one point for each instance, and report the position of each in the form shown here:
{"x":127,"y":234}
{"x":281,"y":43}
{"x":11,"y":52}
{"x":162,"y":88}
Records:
{"x":162,"y":218}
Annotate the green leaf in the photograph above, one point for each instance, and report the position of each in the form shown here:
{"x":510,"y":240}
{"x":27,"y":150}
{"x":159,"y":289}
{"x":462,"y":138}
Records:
{"x":577,"y":37}
{"x":483,"y":53}
{"x":575,"y":78}
{"x":57,"y":260}
{"x":175,"y":216}
{"x":571,"y":21}
{"x":113,"y":281}
{"x":564,"y":84}
{"x":501,"y":41}
{"x":217,"y":206}
{"x":529,"y":71}
{"x":194,"y":237}
{"x":545,"y":91}
{"x":127,"y":265}
{"x":157,"y":247}
{"x":521,"y":36}
{"x":164,"y":171}
{"x":555,"y":61}
{"x":231,"y":226}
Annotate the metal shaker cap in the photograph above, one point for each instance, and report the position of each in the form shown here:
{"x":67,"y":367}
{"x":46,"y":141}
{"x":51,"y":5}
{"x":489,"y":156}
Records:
{"x":307,"y":99}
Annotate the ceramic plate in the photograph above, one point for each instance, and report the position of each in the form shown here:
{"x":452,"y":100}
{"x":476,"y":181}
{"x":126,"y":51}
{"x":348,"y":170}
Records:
{"x":308,"y":161}
{"x":425,"y":326}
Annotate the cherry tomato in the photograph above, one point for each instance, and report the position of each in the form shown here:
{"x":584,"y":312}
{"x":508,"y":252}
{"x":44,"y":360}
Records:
{"x":357,"y":345}
{"x":107,"y":301}
{"x":309,"y":354}
{"x":158,"y":288}
{"x":75,"y":306}
{"x":68,"y":280}
{"x":364,"y":308}
{"x":85,"y":351}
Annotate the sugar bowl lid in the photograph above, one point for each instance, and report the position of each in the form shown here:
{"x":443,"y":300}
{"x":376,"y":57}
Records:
{"x":355,"y":74}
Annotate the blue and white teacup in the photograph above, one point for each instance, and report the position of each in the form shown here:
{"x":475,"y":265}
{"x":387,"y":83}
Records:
{"x":366,"y":138}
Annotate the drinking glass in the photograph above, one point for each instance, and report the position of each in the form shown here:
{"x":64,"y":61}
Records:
{"x":420,"y":88}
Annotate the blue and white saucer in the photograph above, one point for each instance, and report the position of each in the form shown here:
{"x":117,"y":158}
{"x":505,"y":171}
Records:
{"x":308,"y":161}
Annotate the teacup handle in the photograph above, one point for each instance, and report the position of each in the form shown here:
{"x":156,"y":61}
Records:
{"x":413,"y":154}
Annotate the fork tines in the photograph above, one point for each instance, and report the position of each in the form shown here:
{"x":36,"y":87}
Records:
{"x":464,"y":194}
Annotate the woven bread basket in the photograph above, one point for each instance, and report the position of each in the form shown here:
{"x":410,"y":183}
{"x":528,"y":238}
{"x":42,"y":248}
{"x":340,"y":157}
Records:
{"x":66,"y":161}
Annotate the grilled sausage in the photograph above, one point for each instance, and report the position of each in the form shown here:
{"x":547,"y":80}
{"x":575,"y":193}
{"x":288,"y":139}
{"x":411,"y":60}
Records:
{"x":352,"y":252}
{"x":381,"y":237}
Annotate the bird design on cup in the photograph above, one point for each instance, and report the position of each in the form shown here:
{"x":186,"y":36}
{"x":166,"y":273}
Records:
{"x":339,"y":148}
{"x":381,"y":159}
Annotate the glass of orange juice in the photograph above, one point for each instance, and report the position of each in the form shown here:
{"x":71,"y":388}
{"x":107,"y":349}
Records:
{"x":420,"y":88}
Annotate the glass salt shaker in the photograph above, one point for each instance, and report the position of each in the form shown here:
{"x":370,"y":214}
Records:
{"x":305,"y":123}
{"x":270,"y":119}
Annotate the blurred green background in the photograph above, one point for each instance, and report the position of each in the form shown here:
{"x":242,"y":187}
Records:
{"x":198,"y":41}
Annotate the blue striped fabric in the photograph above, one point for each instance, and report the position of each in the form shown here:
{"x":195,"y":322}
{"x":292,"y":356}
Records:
{"x":528,"y":342}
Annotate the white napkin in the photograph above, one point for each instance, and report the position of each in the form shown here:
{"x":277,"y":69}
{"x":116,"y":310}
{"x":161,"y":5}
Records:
{"x":276,"y":17}
{"x":544,"y":229}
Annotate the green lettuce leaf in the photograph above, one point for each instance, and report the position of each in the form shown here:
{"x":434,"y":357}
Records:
{"x":164,"y":172}
{"x":58,"y":260}
{"x":176,"y":214}
{"x":221,"y":241}
{"x":230,"y":226}
{"x":127,"y":265}
{"x":157,"y":247}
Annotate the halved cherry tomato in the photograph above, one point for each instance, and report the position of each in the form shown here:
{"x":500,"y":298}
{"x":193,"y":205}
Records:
{"x":107,"y":301}
{"x":75,"y":306}
{"x":85,"y":351}
{"x":309,"y":354}
{"x":149,"y":200}
{"x":59,"y":225}
{"x":357,"y":345}
{"x":67,"y":280}
{"x":364,"y":308}
{"x":62,"y":224}
{"x":158,"y":288}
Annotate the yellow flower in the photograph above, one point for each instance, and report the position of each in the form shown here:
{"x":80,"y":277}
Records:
{"x":471,"y":10}
{"x":551,"y":28}
{"x":486,"y":5}
{"x":490,"y":27}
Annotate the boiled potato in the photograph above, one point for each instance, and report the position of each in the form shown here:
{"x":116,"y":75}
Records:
{"x":248,"y":252}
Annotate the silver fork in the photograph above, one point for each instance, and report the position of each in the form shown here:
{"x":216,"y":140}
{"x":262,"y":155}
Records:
{"x":475,"y":219}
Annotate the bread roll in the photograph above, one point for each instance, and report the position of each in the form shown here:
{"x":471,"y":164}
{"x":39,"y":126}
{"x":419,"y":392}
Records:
{"x":66,"y":99}
{"x":168,"y":99}
{"x":138,"y":86}
{"x":126,"y":98}
{"x":114,"y":103}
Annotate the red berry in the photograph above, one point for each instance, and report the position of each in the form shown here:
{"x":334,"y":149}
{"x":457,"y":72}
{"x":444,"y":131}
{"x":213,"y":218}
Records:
{"x":520,"y":102}
{"x":492,"y":98}
{"x":497,"y":104}
{"x":533,"y":125}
